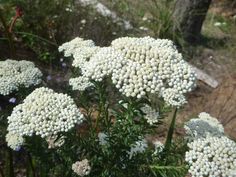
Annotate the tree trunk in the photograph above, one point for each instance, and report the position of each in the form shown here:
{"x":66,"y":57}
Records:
{"x":189,"y":16}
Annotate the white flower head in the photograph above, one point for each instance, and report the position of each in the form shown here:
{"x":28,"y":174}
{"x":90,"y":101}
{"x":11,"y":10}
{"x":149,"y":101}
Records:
{"x":159,"y":147}
{"x":152,"y":66}
{"x":211,"y":156}
{"x":203,"y":126}
{"x":83,"y":54}
{"x":80,"y":83}
{"x":102,"y":64}
{"x":14,"y":74}
{"x":81,"y":168}
{"x":102,"y":137}
{"x":14,"y":141}
{"x":173,"y":97}
{"x":139,"y":147}
{"x":137,"y":67}
{"x":151,"y":115}
{"x":44,"y":112}
{"x":70,"y":47}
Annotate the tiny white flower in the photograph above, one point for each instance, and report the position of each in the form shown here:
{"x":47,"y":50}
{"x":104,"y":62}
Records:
{"x":151,"y":115}
{"x":138,"y":147}
{"x":83,"y":21}
{"x":81,"y":168}
{"x":102,"y":137}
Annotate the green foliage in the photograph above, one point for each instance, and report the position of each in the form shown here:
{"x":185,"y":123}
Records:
{"x":169,"y":171}
{"x":46,"y":24}
{"x":162,"y":22}
{"x":41,"y":26}
{"x":123,"y":126}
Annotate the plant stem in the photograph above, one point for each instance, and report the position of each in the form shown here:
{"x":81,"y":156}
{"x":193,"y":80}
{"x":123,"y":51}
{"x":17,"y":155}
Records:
{"x":103,"y":109}
{"x":170,"y":132}
{"x":10,"y":168}
{"x":3,"y":38}
{"x":38,"y":37}
{"x":1,"y":172}
{"x":166,"y":167}
{"x":31,"y":164}
{"x":8,"y":35}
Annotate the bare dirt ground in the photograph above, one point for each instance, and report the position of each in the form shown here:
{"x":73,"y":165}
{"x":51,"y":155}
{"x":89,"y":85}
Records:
{"x":220,"y":63}
{"x":219,"y":102}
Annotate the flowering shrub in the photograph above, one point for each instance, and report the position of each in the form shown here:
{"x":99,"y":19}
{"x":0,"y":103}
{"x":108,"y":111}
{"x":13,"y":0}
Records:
{"x":124,"y":92}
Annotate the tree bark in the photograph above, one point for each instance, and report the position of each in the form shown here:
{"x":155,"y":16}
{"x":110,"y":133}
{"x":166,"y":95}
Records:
{"x":189,"y":16}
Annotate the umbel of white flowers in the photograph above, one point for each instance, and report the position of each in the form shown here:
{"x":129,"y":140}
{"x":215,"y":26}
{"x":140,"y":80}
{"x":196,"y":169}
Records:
{"x":14,"y":141}
{"x":138,"y":147}
{"x":203,"y":126}
{"x":211,"y":156}
{"x":14,"y":74}
{"x":151,"y":115}
{"x":81,"y":168}
{"x":210,"y":153}
{"x":137,"y":67}
{"x":45,"y":113}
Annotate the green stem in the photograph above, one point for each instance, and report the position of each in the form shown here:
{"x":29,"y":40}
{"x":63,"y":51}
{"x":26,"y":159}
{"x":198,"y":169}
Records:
{"x":3,"y":38}
{"x":170,"y":132}
{"x":38,"y":37}
{"x":8,"y":34}
{"x":10,"y":168}
{"x":31,"y":165}
{"x":1,"y":172}
{"x":167,"y":167}
{"x":103,"y":110}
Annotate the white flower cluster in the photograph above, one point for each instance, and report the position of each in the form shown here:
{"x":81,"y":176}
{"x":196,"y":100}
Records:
{"x":138,"y":66}
{"x":81,"y":168}
{"x":138,"y":147}
{"x":158,"y":146}
{"x":54,"y":141}
{"x":211,"y":157}
{"x":102,"y":64}
{"x":44,"y":113}
{"x":153,"y":66}
{"x":82,"y":54}
{"x":151,"y":115}
{"x":80,"y":49}
{"x":173,"y":97}
{"x":102,"y":137}
{"x":14,"y":141}
{"x":80,"y":83}
{"x":14,"y":74}
{"x":69,"y":48}
{"x":203,"y":126}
